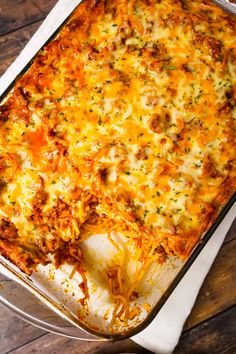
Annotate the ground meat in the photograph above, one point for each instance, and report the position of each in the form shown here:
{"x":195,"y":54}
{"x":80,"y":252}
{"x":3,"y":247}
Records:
{"x":4,"y":113}
{"x":209,"y":168}
{"x":213,"y":45}
{"x":159,"y":123}
{"x":8,"y":229}
{"x":39,"y":200}
{"x":141,"y":155}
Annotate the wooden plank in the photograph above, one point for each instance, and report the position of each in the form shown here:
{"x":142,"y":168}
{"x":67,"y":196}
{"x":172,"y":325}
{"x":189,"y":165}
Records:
{"x":45,"y":6}
{"x":15,"y":332}
{"x":51,"y":343}
{"x":12,"y":44}
{"x":218,"y":292}
{"x":231,"y":235}
{"x":16,"y":14}
{"x":214,"y":336}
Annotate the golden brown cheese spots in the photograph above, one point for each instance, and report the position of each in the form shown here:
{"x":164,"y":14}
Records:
{"x":129,"y":114}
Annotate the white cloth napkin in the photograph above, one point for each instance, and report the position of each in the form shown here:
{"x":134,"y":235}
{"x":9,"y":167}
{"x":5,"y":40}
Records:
{"x":162,"y":335}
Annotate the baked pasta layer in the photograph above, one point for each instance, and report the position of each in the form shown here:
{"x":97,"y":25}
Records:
{"x":124,"y":122}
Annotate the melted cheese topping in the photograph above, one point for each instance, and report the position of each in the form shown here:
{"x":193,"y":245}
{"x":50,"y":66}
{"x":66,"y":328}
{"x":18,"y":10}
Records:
{"x":127,"y":116}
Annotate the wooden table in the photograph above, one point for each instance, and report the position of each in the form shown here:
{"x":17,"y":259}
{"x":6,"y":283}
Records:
{"x":211,"y":327}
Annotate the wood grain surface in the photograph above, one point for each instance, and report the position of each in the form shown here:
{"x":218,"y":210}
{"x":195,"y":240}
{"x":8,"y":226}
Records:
{"x":211,"y":326}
